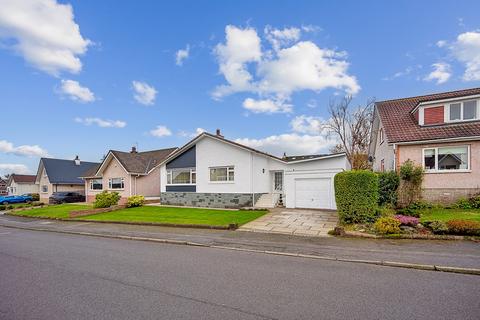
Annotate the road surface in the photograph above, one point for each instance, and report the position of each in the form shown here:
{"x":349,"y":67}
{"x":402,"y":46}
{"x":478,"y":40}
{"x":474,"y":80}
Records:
{"x":47,"y":275}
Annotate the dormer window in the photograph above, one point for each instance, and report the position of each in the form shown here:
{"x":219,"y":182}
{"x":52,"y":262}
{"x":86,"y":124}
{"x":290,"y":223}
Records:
{"x":463,"y":111}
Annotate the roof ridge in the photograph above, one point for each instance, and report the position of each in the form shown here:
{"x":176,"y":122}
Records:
{"x":427,"y":95}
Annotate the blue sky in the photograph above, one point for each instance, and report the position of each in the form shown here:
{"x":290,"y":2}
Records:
{"x":83,"y":77}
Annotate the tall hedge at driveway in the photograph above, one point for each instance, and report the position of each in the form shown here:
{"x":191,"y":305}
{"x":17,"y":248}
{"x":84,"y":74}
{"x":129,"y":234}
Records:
{"x":356,"y":193}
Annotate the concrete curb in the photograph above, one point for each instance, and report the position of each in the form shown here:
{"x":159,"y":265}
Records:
{"x":425,"y":267}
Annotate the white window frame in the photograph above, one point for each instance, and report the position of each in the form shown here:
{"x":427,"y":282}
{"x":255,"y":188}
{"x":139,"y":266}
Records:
{"x":193,"y":171}
{"x":91,"y":184}
{"x":462,"y":103}
{"x":230,"y":169}
{"x":436,"y":170}
{"x":381,"y":135}
{"x":110,"y":184}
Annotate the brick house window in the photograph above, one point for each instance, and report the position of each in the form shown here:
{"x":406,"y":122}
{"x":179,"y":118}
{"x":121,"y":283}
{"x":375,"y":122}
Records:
{"x":454,"y":158}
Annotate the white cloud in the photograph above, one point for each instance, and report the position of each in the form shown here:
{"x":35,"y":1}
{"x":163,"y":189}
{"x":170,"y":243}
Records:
{"x":101,"y":122}
{"x":192,"y":134}
{"x":266,"y":106}
{"x":312,"y":103}
{"x":144,"y":93}
{"x":305,"y":66}
{"x":311,"y":28}
{"x":9,"y":168}
{"x":281,"y":38}
{"x":24,"y":150}
{"x":441,"y":73}
{"x":44,"y":33}
{"x":242,"y":46}
{"x":291,"y":143}
{"x":76,"y":92}
{"x":161,"y":131}
{"x":441,"y":43}
{"x":288,"y":69}
{"x":182,"y":55}
{"x":309,"y":125}
{"x":467,"y":50}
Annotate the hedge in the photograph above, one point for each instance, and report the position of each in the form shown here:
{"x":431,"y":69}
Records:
{"x":388,"y":183}
{"x":356,"y":193}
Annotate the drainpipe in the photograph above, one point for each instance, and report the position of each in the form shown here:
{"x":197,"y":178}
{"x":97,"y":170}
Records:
{"x":251,"y":180}
{"x":394,"y":157}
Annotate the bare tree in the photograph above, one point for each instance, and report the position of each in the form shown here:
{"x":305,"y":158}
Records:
{"x":352,"y":127}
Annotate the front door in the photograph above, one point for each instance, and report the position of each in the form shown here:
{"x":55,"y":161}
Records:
{"x":278,"y":182}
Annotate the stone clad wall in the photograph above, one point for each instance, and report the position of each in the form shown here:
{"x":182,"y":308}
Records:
{"x":208,"y":200}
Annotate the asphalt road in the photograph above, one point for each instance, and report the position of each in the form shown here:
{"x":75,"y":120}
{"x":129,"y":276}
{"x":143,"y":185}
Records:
{"x":56,"y":276}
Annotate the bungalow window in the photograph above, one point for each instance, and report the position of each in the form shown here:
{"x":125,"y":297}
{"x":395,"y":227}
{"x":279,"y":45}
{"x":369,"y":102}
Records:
{"x":96,"y":184}
{"x":463,"y":111}
{"x":181,"y":176}
{"x":44,"y":188}
{"x":116,"y":183}
{"x":446,"y":158}
{"x":219,"y":174}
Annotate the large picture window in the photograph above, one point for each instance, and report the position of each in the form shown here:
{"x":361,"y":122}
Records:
{"x":446,"y":158}
{"x":463,"y":111}
{"x":181,"y":176}
{"x":96,"y":184}
{"x":219,"y":174}
{"x":116,"y":183}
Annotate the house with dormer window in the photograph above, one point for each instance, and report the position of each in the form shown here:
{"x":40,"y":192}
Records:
{"x":439,"y":131}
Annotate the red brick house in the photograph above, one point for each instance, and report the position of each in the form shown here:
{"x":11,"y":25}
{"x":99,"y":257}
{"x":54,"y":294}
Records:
{"x":439,"y":131}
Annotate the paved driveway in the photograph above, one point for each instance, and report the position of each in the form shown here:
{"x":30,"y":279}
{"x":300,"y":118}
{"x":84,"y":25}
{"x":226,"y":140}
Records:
{"x":294,"y":221}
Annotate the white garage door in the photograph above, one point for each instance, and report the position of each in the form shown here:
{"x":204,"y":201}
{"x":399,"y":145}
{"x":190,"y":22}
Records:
{"x":313,"y":193}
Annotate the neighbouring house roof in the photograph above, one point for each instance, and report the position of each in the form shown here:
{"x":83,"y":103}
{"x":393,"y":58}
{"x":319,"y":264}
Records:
{"x":60,"y":171}
{"x":400,"y":124}
{"x":21,"y":178}
{"x":221,"y":138}
{"x":134,"y":162}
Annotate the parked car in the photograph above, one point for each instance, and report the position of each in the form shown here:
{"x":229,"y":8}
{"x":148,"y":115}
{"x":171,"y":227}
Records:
{"x":15,"y":199}
{"x":66,"y":197}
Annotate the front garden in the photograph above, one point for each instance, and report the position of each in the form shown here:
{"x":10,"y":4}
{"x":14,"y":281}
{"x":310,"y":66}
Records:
{"x":136,"y":212}
{"x":389,"y":204}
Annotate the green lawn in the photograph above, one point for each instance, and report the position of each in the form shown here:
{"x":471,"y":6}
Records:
{"x":442,"y":214}
{"x":152,"y":214}
{"x":56,"y":211}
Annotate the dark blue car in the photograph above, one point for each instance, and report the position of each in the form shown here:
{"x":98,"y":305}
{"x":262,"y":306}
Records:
{"x":15,"y":199}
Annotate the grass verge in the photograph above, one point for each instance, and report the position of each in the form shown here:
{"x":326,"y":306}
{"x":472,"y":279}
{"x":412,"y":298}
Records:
{"x":442,"y":214}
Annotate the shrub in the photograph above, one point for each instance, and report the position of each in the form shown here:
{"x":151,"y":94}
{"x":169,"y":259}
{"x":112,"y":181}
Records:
{"x":463,"y":203}
{"x":10,"y":207}
{"x":407,"y":220}
{"x":411,"y":176}
{"x":388,"y":183}
{"x":2,"y":207}
{"x":135,"y":201}
{"x":106,"y":199}
{"x":475,"y":201}
{"x":437,"y":227}
{"x":37,"y":203}
{"x":356,"y":193}
{"x":464,"y":227}
{"x":386,"y":212}
{"x":387,"y":225}
{"x":35,"y":196}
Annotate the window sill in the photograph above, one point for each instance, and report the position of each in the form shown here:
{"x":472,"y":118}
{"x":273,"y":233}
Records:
{"x":114,"y":189}
{"x":447,"y":171}
{"x":221,"y":182}
{"x":180,"y":184}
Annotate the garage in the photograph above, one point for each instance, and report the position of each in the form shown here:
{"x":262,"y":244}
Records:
{"x":314,"y":193}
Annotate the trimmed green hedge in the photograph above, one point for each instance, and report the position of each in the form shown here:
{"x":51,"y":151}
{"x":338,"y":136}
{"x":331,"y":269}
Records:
{"x":388,"y":183}
{"x":356,"y":193}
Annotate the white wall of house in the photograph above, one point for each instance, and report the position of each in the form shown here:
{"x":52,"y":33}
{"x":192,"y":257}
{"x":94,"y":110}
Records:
{"x":383,"y":150}
{"x":16,"y":189}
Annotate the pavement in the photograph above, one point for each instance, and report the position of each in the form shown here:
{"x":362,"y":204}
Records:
{"x":295,"y":222}
{"x":45,"y":275}
{"x":465,"y":254}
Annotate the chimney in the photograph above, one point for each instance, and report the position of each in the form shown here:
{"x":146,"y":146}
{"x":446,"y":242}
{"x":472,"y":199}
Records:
{"x":77,"y":161}
{"x":134,"y":150}
{"x":284,"y":155}
{"x":219,"y":134}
